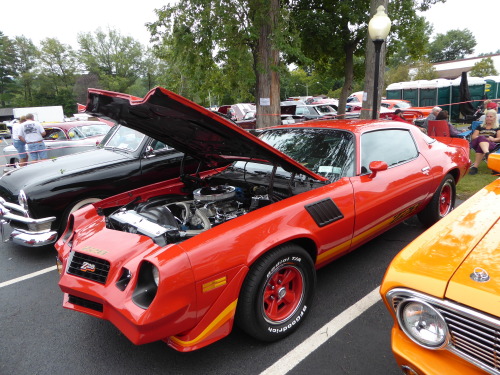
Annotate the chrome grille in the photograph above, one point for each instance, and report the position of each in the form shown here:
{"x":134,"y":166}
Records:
{"x":474,"y":336}
{"x":88,"y":267}
{"x":474,"y":339}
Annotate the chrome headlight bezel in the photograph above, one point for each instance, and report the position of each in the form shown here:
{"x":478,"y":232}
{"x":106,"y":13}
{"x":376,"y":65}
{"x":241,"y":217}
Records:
{"x":428,"y":316}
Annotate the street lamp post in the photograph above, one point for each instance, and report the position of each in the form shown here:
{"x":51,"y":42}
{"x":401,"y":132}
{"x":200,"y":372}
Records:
{"x":378,"y":28}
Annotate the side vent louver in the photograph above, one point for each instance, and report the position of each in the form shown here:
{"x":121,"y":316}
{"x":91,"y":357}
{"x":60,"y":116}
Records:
{"x":324,"y":212}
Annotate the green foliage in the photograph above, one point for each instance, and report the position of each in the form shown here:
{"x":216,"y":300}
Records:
{"x":114,"y":58}
{"x":424,"y":70}
{"x":453,"y":45}
{"x":8,"y":60}
{"x":484,"y":68}
{"x":211,"y":47}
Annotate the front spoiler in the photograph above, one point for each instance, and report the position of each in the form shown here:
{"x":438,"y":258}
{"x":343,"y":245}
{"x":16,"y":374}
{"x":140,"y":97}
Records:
{"x":30,"y":237}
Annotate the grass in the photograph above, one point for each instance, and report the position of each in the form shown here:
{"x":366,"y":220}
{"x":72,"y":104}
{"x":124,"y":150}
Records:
{"x":470,"y":184}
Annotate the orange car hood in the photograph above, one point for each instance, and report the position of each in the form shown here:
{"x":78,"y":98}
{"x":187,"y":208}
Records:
{"x":476,"y":283}
{"x":188,"y":127}
{"x":440,"y":261}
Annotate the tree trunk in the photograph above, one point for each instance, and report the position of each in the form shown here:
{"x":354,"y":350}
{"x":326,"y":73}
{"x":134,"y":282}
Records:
{"x":348,"y":79}
{"x":266,"y":70}
{"x":366,"y":112}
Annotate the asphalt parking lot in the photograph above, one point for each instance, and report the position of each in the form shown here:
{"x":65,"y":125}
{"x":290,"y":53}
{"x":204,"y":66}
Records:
{"x":40,"y":337}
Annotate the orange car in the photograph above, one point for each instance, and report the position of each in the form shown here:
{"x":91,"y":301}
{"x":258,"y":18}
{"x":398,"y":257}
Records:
{"x":443,"y":291}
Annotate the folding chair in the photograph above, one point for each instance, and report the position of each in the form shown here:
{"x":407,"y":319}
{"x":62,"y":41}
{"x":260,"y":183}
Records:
{"x":438,"y":128}
{"x":468,"y":133}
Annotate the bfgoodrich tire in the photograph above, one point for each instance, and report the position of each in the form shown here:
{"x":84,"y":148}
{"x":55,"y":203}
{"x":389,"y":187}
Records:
{"x":441,"y":204}
{"x":277,"y":293}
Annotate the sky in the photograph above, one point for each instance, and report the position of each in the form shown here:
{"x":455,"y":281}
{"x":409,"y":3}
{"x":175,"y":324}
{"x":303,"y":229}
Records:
{"x":37,"y":20}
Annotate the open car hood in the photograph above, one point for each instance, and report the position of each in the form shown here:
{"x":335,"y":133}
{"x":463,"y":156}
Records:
{"x":188,"y":127}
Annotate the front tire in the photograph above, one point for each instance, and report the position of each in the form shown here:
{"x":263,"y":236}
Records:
{"x":76,"y":206}
{"x":441,"y":204}
{"x":277,"y":293}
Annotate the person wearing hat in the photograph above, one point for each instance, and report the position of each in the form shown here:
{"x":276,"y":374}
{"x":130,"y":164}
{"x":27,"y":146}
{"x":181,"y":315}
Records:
{"x":489,"y":104}
{"x":398,"y":116}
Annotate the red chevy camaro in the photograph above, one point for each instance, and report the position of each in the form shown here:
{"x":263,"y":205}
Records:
{"x":183,"y":260}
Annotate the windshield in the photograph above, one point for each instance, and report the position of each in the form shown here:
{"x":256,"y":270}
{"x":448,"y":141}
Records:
{"x":326,"y":110}
{"x":124,"y":138}
{"x":94,"y":130}
{"x":403,"y":105}
{"x":326,"y":152}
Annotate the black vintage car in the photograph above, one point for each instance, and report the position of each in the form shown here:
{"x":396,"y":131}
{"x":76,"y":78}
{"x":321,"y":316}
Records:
{"x":36,"y":200}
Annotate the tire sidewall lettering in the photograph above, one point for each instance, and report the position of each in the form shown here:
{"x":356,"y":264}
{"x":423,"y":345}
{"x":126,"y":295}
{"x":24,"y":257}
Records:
{"x":279,"y":264}
{"x":291,"y":324}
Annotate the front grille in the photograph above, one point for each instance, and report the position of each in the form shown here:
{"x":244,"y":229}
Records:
{"x":85,"y":303}
{"x":474,"y":335}
{"x":89,"y":267}
{"x":474,"y":339}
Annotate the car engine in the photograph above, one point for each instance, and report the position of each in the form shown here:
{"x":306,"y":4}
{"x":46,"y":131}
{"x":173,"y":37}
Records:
{"x":167,"y":221}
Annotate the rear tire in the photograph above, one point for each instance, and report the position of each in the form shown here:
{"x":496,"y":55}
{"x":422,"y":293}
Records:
{"x":277,"y":293}
{"x":441,"y":204}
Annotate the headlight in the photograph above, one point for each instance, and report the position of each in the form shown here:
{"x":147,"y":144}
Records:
{"x":156,"y":275}
{"x":422,"y":323}
{"x":23,"y":200}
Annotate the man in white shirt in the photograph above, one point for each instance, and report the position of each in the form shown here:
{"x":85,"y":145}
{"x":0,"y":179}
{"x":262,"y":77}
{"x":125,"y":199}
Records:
{"x":32,"y":134}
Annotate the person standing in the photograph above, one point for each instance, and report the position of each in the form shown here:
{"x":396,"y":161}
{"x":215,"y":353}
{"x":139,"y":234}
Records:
{"x":432,"y":116}
{"x":18,"y":144}
{"x":32,"y":134}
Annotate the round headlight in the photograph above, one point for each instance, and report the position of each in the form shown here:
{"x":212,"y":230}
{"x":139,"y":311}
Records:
{"x":156,"y":275}
{"x":423,"y":324}
{"x":22,"y":199}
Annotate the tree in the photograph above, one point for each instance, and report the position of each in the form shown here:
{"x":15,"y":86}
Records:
{"x":7,"y":68}
{"x":425,"y":70}
{"x":27,"y":58}
{"x":115,"y":59}
{"x":334,"y":32}
{"x":453,"y":45}
{"x":240,"y":38}
{"x":484,"y":68}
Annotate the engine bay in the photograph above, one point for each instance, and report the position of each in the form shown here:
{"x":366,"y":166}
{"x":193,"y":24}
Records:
{"x":172,"y":219}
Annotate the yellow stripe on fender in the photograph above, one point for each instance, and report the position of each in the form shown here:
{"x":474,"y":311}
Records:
{"x":222,"y":318}
{"x":214,"y":284}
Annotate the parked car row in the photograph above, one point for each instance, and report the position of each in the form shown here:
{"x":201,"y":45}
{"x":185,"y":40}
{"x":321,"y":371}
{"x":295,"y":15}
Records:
{"x":36,"y":200}
{"x":66,"y":138}
{"x":234,"y":226}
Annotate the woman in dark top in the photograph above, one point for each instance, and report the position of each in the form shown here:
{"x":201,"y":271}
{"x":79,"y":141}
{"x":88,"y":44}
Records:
{"x":485,"y":138}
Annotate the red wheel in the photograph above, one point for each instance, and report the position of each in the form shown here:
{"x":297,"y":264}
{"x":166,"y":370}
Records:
{"x":283,"y":293}
{"x":275,"y":297}
{"x":445,"y":200}
{"x":441,"y":204}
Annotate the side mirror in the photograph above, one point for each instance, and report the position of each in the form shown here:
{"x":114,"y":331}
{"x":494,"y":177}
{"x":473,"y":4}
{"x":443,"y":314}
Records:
{"x":149,"y":152}
{"x":377,"y":166}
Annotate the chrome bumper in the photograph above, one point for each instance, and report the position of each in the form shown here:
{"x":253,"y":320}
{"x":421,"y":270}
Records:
{"x":18,"y":227}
